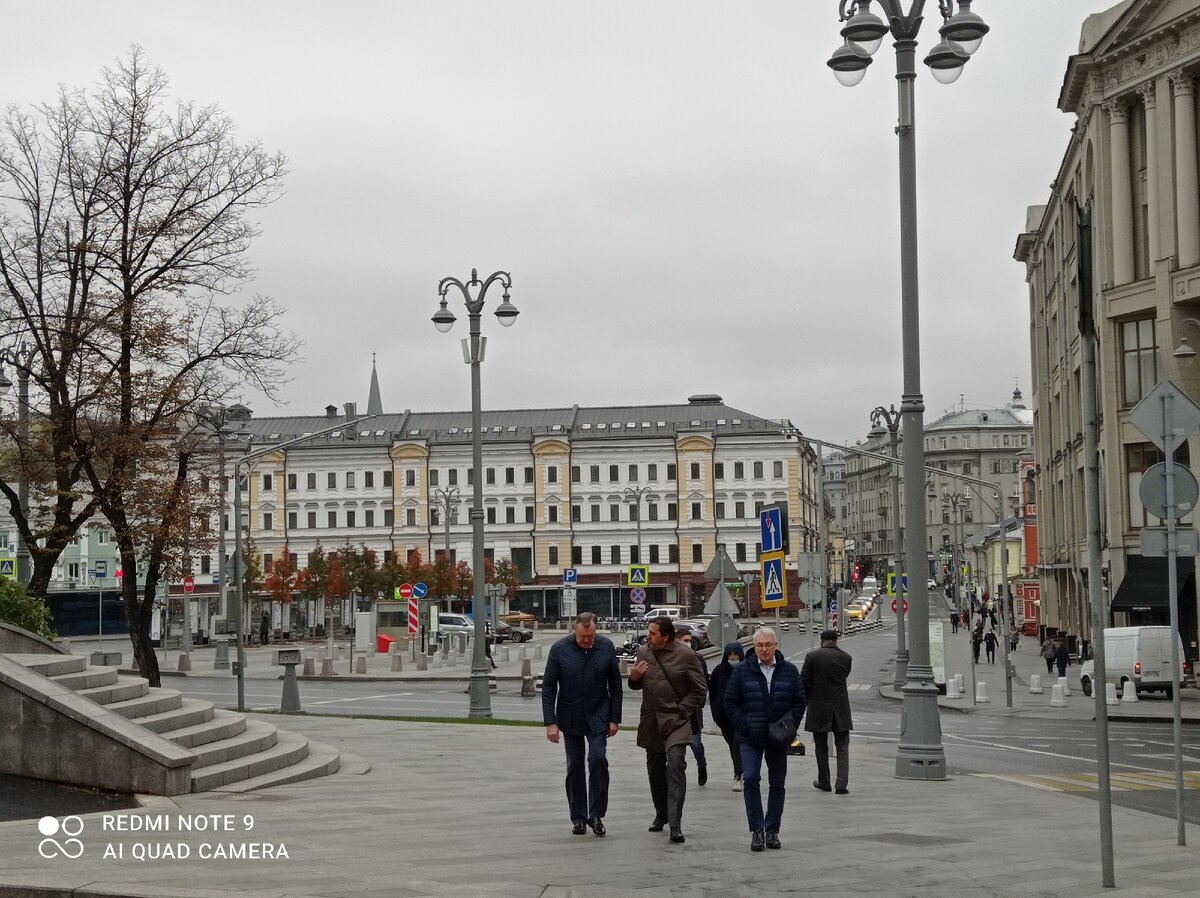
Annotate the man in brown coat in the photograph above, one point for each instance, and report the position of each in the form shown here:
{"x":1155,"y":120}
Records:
{"x":673,"y":690}
{"x":824,"y":674}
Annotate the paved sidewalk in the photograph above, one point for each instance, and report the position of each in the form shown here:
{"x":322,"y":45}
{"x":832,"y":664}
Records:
{"x":465,"y":810}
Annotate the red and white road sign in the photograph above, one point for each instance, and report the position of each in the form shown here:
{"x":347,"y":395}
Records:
{"x":414,"y":616}
{"x":189,"y":583}
{"x":833,"y":620}
{"x":894,"y":606}
{"x":406,"y":590}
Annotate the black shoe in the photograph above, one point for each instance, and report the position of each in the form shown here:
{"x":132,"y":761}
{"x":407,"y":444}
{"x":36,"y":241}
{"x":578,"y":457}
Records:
{"x":579,"y":828}
{"x":817,"y":785}
{"x":756,"y":840}
{"x":658,"y":824}
{"x":773,"y":840}
{"x":842,"y":791}
{"x":677,"y":837}
{"x":597,"y":826}
{"x":703,"y":778}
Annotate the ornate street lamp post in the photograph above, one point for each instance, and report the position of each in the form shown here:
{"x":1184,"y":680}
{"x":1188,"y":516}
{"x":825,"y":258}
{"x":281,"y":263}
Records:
{"x":920,"y":754}
{"x":473,"y":351}
{"x":890,"y":418}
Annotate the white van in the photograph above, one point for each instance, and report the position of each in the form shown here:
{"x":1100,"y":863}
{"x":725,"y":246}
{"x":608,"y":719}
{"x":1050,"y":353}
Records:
{"x":674,"y":612}
{"x":1137,"y":655}
{"x":870,"y":586}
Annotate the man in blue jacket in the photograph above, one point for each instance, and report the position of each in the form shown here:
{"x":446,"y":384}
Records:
{"x":581,"y":701}
{"x":764,"y":688}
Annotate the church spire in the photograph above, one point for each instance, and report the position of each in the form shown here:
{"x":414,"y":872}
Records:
{"x":374,"y":400}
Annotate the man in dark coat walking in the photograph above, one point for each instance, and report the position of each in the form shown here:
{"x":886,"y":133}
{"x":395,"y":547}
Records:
{"x":717,"y":681}
{"x":761,"y":690}
{"x":824,"y":674}
{"x":581,"y":701}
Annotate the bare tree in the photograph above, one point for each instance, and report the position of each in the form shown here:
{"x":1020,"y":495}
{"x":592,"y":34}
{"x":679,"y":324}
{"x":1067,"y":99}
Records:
{"x":143,"y":230}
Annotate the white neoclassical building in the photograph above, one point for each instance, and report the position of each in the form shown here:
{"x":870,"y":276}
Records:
{"x":1131,"y":160}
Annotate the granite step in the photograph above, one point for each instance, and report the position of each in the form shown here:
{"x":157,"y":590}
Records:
{"x":210,"y":728}
{"x":155,"y":700}
{"x":321,"y":760}
{"x":257,"y":737}
{"x":123,"y":689}
{"x":52,"y":665}
{"x":88,"y":678}
{"x":289,"y":749}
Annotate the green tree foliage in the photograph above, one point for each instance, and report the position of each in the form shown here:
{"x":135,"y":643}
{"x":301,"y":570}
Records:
{"x":29,"y":612}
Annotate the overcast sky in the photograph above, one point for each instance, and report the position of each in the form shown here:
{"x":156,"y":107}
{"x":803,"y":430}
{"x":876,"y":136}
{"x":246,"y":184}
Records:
{"x":687,"y":200}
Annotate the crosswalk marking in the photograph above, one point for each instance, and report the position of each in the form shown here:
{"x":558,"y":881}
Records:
{"x":1124,"y":781}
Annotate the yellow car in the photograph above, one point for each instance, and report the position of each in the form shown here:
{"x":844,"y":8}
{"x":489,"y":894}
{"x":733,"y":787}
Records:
{"x":857,"y":611}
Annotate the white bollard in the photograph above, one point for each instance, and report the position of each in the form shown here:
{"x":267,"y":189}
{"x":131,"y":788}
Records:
{"x":360,"y":663}
{"x":1110,"y":693}
{"x":952,"y":689}
{"x":393,"y":648}
{"x":327,"y":667}
{"x":537,"y":651}
{"x":185,"y":661}
{"x":397,"y":662}
{"x":1035,"y":685}
{"x":452,"y":659}
{"x":981,"y":695}
{"x":521,"y":655}
{"x":502,"y":655}
{"x":1066,"y":686}
{"x":962,"y":686}
{"x":422,"y":661}
{"x":437,"y":661}
{"x":1056,"y":697}
{"x":1129,"y":693}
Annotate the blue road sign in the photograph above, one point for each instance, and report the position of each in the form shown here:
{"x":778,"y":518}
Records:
{"x":570,"y":576}
{"x":833,"y":605}
{"x":420,"y":590}
{"x":771,"y":522}
{"x":774,"y":581}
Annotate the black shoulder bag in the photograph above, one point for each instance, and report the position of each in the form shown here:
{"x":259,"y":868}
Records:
{"x":781,"y":731}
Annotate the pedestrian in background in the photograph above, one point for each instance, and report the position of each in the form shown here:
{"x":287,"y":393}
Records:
{"x":764,"y":689}
{"x":977,"y":639}
{"x":954,"y":621}
{"x":1048,"y":654}
{"x":824,"y":674}
{"x":673,"y":687}
{"x":264,"y":628}
{"x":1061,"y":657}
{"x":581,"y":704}
{"x":685,"y":636}
{"x":989,"y":642}
{"x":717,"y":681}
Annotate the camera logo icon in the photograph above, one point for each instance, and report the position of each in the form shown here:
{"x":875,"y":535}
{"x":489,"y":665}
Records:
{"x":69,"y":847}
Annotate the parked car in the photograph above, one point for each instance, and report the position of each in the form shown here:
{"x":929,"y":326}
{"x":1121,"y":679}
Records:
{"x":501,"y":633}
{"x":931,"y":583}
{"x":699,"y":634}
{"x":455,"y":623}
{"x":519,"y":633}
{"x":518,"y":617}
{"x":1140,"y":656}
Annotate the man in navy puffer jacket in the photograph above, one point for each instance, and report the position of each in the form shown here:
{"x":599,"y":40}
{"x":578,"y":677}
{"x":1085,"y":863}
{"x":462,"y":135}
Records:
{"x":748,"y":709}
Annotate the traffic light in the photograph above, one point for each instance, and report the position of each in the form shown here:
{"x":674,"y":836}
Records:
{"x":857,"y":575}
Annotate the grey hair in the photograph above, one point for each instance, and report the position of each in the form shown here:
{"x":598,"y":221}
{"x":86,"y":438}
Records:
{"x":586,"y":619}
{"x":766,"y":631}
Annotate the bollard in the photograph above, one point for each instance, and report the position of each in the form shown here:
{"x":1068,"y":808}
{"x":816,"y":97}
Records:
{"x":962,"y":687}
{"x":1066,"y":686}
{"x":327,"y":667}
{"x":360,"y":663}
{"x":221,"y":661}
{"x":1110,"y":693}
{"x":952,"y":689}
{"x":338,"y":649}
{"x":321,"y":655}
{"x":624,"y":667}
{"x":397,"y":662}
{"x":1035,"y":685}
{"x":437,"y":661}
{"x":309,"y":667}
{"x":393,"y":648}
{"x":526,"y":668}
{"x":452,"y":659}
{"x":1056,"y":697}
{"x":503,"y":655}
{"x":1129,"y":692}
{"x":521,"y":654}
{"x":288,"y":659}
{"x":981,"y":695}
{"x":422,"y":661}
{"x":537,"y":651}
{"x":185,"y":661}
{"x":444,"y":645}
{"x":527,"y":690}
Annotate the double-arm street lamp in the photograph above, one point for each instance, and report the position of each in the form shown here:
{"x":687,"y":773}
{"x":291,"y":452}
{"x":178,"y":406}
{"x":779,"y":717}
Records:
{"x":473,"y":351}
{"x":957,"y":504}
{"x":889,"y":417}
{"x":920,"y":754}
{"x":20,"y":357}
{"x":447,"y":500}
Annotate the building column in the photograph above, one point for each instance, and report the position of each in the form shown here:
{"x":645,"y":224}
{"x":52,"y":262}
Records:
{"x":1122,"y":192}
{"x":1186,"y":189}
{"x":1149,"y":93}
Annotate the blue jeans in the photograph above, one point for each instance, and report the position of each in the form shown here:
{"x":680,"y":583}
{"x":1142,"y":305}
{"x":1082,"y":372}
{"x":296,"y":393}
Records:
{"x":752,"y":760}
{"x":587,"y":794}
{"x":698,"y":750}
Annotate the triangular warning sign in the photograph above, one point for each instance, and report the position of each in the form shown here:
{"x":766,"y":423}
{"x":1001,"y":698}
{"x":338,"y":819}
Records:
{"x":773,"y":587}
{"x":637,"y":575}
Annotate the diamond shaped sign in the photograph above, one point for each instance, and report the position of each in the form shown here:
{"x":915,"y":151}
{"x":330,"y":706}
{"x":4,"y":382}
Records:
{"x":1165,"y":403}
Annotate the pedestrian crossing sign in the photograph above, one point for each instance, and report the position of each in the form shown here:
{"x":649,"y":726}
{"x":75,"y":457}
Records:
{"x":639,"y":575}
{"x":774,"y":580}
{"x":7,"y":567}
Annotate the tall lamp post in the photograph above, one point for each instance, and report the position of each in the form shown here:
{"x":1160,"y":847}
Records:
{"x":448,"y":499}
{"x":20,"y":357}
{"x":890,"y":418}
{"x":473,"y":351}
{"x":957,"y":503}
{"x":920,"y":753}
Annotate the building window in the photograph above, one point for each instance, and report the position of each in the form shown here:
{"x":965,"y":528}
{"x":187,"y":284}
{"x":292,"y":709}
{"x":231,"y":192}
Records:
{"x":777,"y":468}
{"x":331,"y":480}
{"x":267,"y":480}
{"x":672,"y":512}
{"x":369,"y":518}
{"x":614,"y":554}
{"x":673,"y":553}
{"x":614,"y":473}
{"x":1139,"y":457}
{"x":652,"y":472}
{"x":387,"y":479}
{"x":410,"y":477}
{"x":652,"y":510}
{"x":720,"y":511}
{"x":576,"y":556}
{"x":268,"y":562}
{"x":435,"y":517}
{"x":369,"y":479}
{"x":739,"y":510}
{"x":596,"y":553}
{"x":529,"y":475}
{"x":576,"y":514}
{"x":528,"y":514}
{"x":291,"y":481}
{"x":758,"y":470}
{"x":490,"y":475}
{"x":552,"y":474}
{"x":576,"y":474}
{"x":633,"y":473}
{"x":312,"y":520}
{"x":1139,"y":354}
{"x":552,"y":514}
{"x":635,"y":555}
{"x":491,"y":515}
{"x":719,"y":470}
{"x":470,"y":476}
{"x":553,"y":553}
{"x":205,"y":564}
{"x":310,"y":481}
{"x":740,"y":552}
{"x":510,"y":514}
{"x":634,"y":512}
{"x":293,"y":521}
{"x":696,"y":511}
{"x":739,"y":470}
{"x":966,"y":467}
{"x":695,"y":470}
{"x":433,"y":477}
{"x":452,"y":477}
{"x":349,"y":480}
{"x":654,"y":554}
{"x":268,"y":521}
{"x":595,"y":513}
{"x":510,"y":475}
{"x":697,"y":553}
{"x":671,"y":472}
{"x":594,"y":473}
{"x":350,"y":515}
{"x":614,"y":512}
{"x":332,"y":516}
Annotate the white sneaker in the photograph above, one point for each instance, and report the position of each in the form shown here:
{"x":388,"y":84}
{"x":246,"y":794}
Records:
{"x":737,"y":784}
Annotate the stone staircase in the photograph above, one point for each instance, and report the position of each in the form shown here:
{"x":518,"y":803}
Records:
{"x":233,"y":754}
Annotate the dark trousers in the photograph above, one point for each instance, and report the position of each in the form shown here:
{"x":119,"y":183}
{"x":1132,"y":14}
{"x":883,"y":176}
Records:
{"x":668,"y":783}
{"x":735,"y":751}
{"x":841,"y":742}
{"x":752,"y":761}
{"x":1062,"y":668}
{"x":1049,"y":665}
{"x":991,"y":654}
{"x":587,"y":793}
{"x":698,"y":750}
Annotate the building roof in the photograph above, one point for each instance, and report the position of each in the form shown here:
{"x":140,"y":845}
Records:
{"x":983,"y":417}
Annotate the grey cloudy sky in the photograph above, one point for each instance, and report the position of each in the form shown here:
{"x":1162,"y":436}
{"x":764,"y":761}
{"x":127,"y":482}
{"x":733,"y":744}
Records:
{"x":687,"y":200}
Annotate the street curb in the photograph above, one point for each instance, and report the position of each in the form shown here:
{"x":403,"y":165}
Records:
{"x":892,"y":697}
